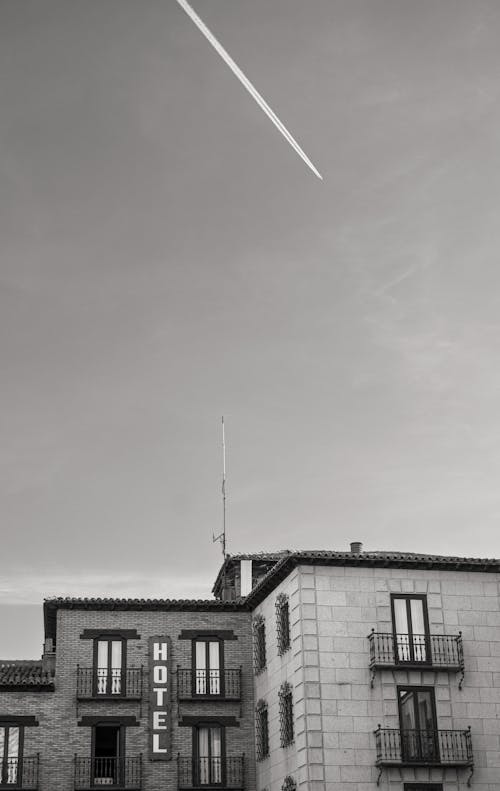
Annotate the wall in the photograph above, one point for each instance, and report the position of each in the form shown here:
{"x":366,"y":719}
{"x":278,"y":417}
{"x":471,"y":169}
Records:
{"x":58,"y":737}
{"x":337,"y":711}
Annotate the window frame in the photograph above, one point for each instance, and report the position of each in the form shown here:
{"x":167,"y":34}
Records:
{"x":121,"y":751}
{"x":195,"y":751}
{"x":286,"y":707}
{"x":262,"y":730}
{"x":408,"y":597}
{"x":109,"y":639}
{"x":259,"y":646}
{"x":7,"y":724}
{"x":418,"y":688}
{"x":207,"y":639}
{"x":283,"y":638}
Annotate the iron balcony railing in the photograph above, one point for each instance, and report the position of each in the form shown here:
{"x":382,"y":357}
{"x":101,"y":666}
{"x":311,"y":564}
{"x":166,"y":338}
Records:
{"x":210,"y":772}
{"x":439,"y":651}
{"x":92,"y":683}
{"x":20,"y":773}
{"x":399,"y":747}
{"x":196,"y":684}
{"x":119,"y":773}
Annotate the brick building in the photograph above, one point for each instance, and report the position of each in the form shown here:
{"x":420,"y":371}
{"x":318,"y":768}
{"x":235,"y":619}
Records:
{"x":325,"y":671}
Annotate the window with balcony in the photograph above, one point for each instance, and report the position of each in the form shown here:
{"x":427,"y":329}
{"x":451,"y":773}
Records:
{"x":109,"y":666}
{"x":259,"y":643}
{"x":410,"y":625}
{"x":208,"y":663}
{"x":418,"y":724}
{"x":417,"y":741}
{"x":10,"y":753}
{"x":282,"y":623}
{"x":285,"y":696}
{"x":208,"y":766}
{"x":108,"y":749}
{"x":16,"y":769}
{"x":108,"y":764}
{"x":262,"y":730}
{"x":209,"y":755}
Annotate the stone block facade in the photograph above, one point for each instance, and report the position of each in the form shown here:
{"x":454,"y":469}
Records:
{"x":339,"y":704}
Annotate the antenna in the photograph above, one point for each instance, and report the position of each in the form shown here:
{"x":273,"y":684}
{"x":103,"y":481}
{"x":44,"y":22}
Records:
{"x":222,"y":536}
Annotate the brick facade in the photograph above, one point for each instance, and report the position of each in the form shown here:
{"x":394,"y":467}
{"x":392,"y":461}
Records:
{"x":59,"y":738}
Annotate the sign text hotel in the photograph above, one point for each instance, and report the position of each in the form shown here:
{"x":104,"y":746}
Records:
{"x":160,"y":671}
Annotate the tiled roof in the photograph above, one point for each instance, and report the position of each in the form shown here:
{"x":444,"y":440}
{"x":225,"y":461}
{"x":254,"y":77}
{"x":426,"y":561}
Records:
{"x":23,"y":674}
{"x":51,"y":606}
{"x":377,"y":559}
{"x":287,"y":558}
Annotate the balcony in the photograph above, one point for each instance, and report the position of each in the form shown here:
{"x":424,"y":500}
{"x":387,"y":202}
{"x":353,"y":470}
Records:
{"x":208,"y":684}
{"x":204,"y":773}
{"x":20,"y":773}
{"x":418,"y":652}
{"x":99,"y":684}
{"x":124,"y":774}
{"x":404,"y":748}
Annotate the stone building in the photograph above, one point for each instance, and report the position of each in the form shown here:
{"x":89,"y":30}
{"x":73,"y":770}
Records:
{"x":325,"y":671}
{"x":373,"y":669}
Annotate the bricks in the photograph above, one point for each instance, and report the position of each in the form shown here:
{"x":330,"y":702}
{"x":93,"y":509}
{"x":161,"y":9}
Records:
{"x":58,"y":737}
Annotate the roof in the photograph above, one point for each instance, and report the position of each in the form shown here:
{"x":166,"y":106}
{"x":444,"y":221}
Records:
{"x":379,"y":559}
{"x":24,"y":675}
{"x":266,"y":557}
{"x":51,"y":606}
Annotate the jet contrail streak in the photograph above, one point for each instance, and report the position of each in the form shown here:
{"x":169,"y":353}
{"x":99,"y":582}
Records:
{"x":247,"y":84}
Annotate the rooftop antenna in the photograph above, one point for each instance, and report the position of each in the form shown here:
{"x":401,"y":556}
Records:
{"x":222,"y":536}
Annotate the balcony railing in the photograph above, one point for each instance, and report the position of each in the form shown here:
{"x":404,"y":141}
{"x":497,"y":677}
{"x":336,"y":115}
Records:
{"x":397,"y":747}
{"x":204,"y":773}
{"x":420,"y":651}
{"x":92,"y":683}
{"x":21,"y":773}
{"x":119,"y":773}
{"x":199,"y":684}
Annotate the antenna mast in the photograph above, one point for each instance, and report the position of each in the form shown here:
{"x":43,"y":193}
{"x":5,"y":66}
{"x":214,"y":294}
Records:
{"x":222,"y":536}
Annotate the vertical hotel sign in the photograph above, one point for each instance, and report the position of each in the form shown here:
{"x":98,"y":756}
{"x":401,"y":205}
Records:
{"x":160,"y":716}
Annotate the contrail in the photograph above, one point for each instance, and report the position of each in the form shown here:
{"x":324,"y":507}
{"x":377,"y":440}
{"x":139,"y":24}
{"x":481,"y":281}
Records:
{"x":247,"y":84}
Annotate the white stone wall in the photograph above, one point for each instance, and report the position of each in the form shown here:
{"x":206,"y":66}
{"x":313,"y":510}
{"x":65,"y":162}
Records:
{"x":333,"y":609}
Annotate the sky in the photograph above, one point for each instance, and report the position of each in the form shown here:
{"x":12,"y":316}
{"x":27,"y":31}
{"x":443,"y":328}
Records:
{"x":166,"y":258}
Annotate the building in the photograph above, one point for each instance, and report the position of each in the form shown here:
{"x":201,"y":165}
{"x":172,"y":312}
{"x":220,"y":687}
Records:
{"x":325,"y":671}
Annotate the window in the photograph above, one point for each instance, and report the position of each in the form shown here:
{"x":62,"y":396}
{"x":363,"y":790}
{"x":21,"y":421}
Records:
{"x":289,"y":784}
{"x":259,"y":643}
{"x":410,"y":625}
{"x":11,"y":742}
{"x":109,"y":666}
{"x":282,"y":623}
{"x":207,"y":667}
{"x":418,"y":724}
{"x":108,"y":749}
{"x":262,"y":729}
{"x":208,"y":743}
{"x":286,"y":714}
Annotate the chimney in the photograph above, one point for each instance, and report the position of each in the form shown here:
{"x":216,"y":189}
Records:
{"x":49,"y":657}
{"x":356,"y":547}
